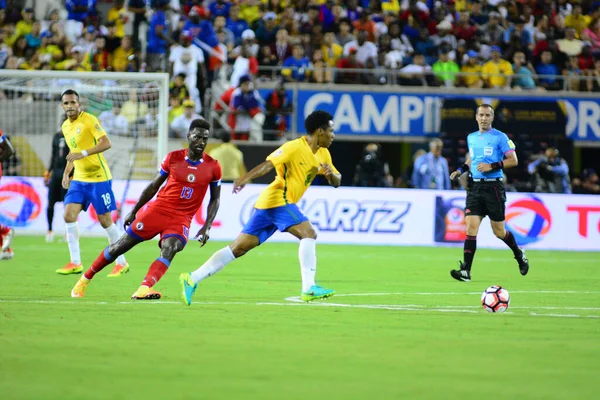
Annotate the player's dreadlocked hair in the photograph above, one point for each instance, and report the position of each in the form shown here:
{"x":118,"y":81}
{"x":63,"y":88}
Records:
{"x":200,"y":123}
{"x":316,"y":120}
{"x":69,"y":91}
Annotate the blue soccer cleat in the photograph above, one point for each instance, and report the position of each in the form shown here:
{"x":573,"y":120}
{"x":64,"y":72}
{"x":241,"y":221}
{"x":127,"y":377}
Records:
{"x":316,"y":292}
{"x":188,"y":287}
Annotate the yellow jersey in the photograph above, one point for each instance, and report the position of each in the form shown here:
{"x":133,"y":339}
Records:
{"x":497,"y":72}
{"x":296,"y":166}
{"x":83,"y":134}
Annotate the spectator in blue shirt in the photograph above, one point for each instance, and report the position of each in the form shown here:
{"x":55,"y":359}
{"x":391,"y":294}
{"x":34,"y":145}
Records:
{"x":431,"y":169}
{"x":158,"y":39}
{"x":523,"y":72}
{"x":34,"y":40}
{"x":201,"y":27}
{"x":265,"y":34}
{"x":79,"y":10}
{"x":298,"y":65}
{"x":236,"y":25}
{"x":219,"y":8}
{"x":518,"y":28}
{"x":545,"y":67}
{"x":551,"y":172}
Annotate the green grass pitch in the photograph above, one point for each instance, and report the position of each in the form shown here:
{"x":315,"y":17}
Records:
{"x":398,"y":328}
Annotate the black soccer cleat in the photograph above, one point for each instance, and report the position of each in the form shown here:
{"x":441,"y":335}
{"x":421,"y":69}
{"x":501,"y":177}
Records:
{"x":523,"y":263}
{"x":461,"y":274}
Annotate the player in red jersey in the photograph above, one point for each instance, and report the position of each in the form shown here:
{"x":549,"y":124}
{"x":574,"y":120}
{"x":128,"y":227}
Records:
{"x":6,"y":233}
{"x":189,"y":173}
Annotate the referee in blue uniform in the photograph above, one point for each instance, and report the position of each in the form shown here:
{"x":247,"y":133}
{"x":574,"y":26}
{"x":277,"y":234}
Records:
{"x":490,"y":151}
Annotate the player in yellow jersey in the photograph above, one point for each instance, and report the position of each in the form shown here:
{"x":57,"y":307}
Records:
{"x":91,"y":182}
{"x":297,"y":163}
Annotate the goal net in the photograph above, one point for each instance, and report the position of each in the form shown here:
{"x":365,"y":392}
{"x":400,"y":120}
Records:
{"x":131,"y":107}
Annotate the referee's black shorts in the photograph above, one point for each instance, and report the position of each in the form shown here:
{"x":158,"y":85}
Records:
{"x":486,"y":198}
{"x":56,"y":193}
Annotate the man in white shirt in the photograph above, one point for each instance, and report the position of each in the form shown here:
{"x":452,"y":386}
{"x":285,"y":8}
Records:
{"x":113,"y":122}
{"x":187,"y":59}
{"x":364,"y":49}
{"x":415,"y":74}
{"x":181,"y":124}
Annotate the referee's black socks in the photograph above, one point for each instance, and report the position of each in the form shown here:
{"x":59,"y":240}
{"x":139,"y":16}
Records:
{"x":510,"y":241}
{"x":469,"y":251}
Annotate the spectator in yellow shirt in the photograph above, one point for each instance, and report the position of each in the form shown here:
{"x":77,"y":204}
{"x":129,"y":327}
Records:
{"x":497,"y":72}
{"x":472,"y":69}
{"x":332,"y":51}
{"x":577,"y":20}
{"x":49,"y":52}
{"x":118,"y":14}
{"x":250,"y":11}
{"x":120,"y":59}
{"x":230,"y":158}
{"x":25,"y":25}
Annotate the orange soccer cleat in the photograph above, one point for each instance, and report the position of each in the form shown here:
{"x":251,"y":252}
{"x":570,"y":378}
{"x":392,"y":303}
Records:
{"x":70,"y":268}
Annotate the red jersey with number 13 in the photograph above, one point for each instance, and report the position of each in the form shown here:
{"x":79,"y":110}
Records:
{"x":186,"y":183}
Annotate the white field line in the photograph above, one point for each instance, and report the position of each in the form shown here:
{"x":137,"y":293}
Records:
{"x":291,"y":302}
{"x":462,"y":293}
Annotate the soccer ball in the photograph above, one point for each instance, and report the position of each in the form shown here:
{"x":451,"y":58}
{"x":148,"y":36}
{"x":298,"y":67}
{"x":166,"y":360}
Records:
{"x":495,"y":299}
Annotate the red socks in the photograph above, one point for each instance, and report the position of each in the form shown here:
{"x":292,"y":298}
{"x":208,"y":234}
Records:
{"x":156,"y":271}
{"x":102,"y":261}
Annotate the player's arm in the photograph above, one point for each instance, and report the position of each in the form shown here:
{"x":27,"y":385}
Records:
{"x":66,"y":180}
{"x":334,"y":178}
{"x":256,"y":172}
{"x":102,"y":145}
{"x":213,"y":207}
{"x":147,"y":194}
{"x":6,"y":147}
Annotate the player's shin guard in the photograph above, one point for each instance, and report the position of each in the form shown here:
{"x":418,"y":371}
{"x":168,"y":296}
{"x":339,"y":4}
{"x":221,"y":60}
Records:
{"x":214,"y":264}
{"x":510,"y":241}
{"x":99,"y":263}
{"x":469,"y":251}
{"x":156,"y":271}
{"x":114,"y":235}
{"x":307,"y":253}
{"x":72,"y":230}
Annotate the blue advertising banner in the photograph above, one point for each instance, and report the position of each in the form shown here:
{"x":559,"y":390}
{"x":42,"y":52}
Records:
{"x":410,"y":114}
{"x":389,"y":114}
{"x":583,"y":119}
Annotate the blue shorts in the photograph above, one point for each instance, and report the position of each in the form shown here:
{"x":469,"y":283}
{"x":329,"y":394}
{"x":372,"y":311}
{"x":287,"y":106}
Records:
{"x":99,"y":194}
{"x":264,"y":222}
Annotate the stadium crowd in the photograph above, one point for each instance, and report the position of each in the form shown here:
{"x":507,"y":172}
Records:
{"x":507,"y":44}
{"x":526,"y":44}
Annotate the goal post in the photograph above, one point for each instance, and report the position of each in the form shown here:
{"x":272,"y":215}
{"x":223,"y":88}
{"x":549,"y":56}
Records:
{"x":132,"y":108}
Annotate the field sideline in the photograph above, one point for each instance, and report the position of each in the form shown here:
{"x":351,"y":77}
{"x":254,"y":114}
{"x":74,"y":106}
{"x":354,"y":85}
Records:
{"x":398,"y":327}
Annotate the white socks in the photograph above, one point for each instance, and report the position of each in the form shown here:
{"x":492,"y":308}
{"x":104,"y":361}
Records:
{"x":308,"y":262}
{"x":114,"y":235}
{"x":72,"y":230}
{"x":214,"y":264}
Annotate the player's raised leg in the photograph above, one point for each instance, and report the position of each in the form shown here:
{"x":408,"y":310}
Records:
{"x":168,"y":248}
{"x":106,"y":257}
{"x":122,"y":266}
{"x":463,"y":274}
{"x":508,"y":238}
{"x":104,"y":202}
{"x":307,"y":253}
{"x":240,"y":246}
{"x":72,"y":210}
